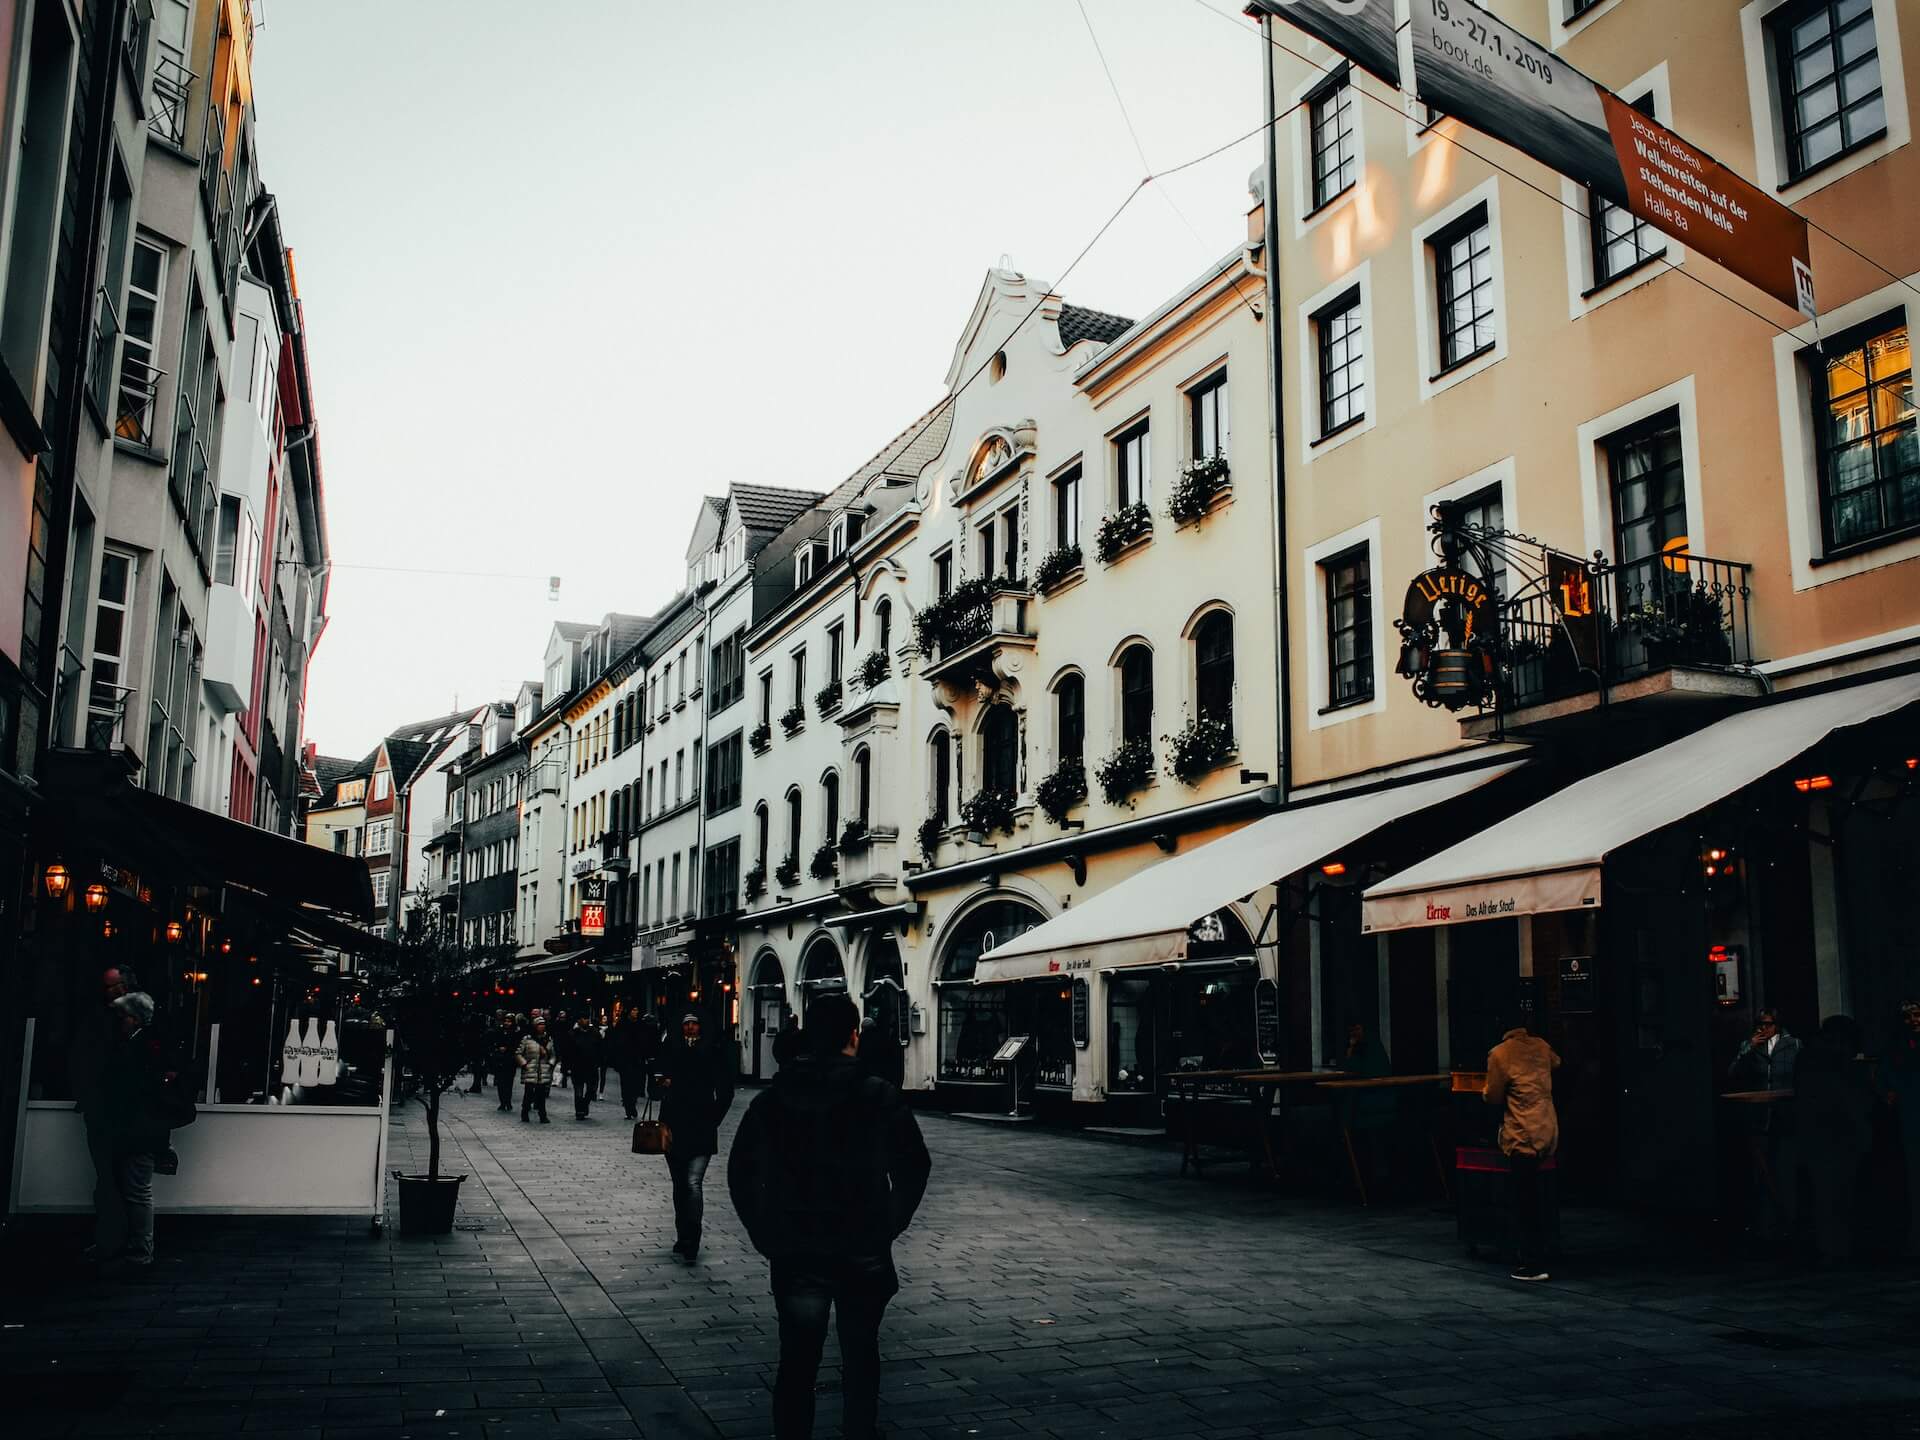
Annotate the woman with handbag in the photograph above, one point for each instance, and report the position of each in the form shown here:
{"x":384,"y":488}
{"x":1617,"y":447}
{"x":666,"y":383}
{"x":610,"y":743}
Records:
{"x":536,"y":1059}
{"x":698,"y":1084}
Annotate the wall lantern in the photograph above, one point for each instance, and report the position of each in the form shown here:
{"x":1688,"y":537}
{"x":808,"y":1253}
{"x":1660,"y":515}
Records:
{"x":107,"y":932}
{"x":96,"y":897}
{"x":175,"y":932}
{"x":1333,"y":869}
{"x":1813,"y":782}
{"x":57,"y":880}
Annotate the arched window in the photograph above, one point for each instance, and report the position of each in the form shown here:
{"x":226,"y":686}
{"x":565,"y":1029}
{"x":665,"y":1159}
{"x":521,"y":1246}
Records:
{"x":793,"y":826}
{"x":883,"y":625}
{"x":1000,"y":751}
{"x":830,"y":798}
{"x":863,"y":786}
{"x":1070,"y":718}
{"x":1213,"y":667}
{"x":941,"y":765}
{"x":762,"y":830}
{"x":1136,"y":694}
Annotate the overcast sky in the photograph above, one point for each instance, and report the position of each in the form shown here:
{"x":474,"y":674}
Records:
{"x":569,"y":267}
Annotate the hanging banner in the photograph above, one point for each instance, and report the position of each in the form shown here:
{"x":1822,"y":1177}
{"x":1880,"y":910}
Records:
{"x":1470,"y":65}
{"x":1361,"y":30}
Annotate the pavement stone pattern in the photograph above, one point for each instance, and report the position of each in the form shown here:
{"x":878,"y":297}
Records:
{"x":1053,"y":1285}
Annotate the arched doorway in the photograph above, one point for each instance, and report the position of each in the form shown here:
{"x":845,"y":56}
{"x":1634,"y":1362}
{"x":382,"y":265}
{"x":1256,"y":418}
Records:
{"x":770,"y":1011}
{"x":884,"y":1001}
{"x":973,"y":1019}
{"x":822,"y":972}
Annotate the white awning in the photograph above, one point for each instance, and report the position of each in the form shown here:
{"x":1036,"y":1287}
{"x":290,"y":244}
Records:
{"x":1549,"y":856}
{"x":1144,"y":919}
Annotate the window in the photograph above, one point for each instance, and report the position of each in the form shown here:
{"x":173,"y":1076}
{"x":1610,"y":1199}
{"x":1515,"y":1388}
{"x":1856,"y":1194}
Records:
{"x":1213,"y":667}
{"x":1577,"y":8}
{"x":1621,"y":240}
{"x":723,"y":775}
{"x":830,"y":803}
{"x":1066,"y":508}
{"x":674,"y":914}
{"x":1463,"y":275}
{"x":1349,"y":627}
{"x":761,"y":831}
{"x":940,"y":777}
{"x":863,"y":786}
{"x":943,"y":573}
{"x":1480,"y":513}
{"x":1070,"y":709}
{"x":793,"y":825}
{"x":1135,"y":474}
{"x":1343,"y":376}
{"x":382,"y":887}
{"x":1330,"y":131}
{"x":139,"y":377}
{"x":380,"y":837}
{"x":112,"y":618}
{"x":766,"y":698}
{"x":883,"y":625}
{"x":1000,"y":751}
{"x":728,"y":664}
{"x":837,"y":538}
{"x":799,"y":676}
{"x":1869,"y":459}
{"x":1136,"y":694}
{"x":1207,"y":405}
{"x":836,"y":653}
{"x":722,"y":879}
{"x":1648,"y":482}
{"x":1831,"y":100}
{"x":679,"y":776}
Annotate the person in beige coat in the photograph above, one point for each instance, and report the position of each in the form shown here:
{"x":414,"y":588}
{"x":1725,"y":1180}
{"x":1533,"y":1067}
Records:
{"x":1520,"y":1079}
{"x":536,"y":1058}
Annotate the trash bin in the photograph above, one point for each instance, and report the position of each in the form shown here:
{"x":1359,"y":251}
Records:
{"x":1481,"y":1208}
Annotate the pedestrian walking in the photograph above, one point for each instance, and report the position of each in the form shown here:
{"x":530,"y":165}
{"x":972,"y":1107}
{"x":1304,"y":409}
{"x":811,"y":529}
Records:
{"x":698,"y":1082}
{"x":96,"y":1037}
{"x":826,"y":1173}
{"x":1903,"y":1093}
{"x":136,"y":1106}
{"x":535,"y":1061}
{"x":633,"y":1046}
{"x":1766,"y":1061}
{"x":1520,"y":1079}
{"x":582,"y":1047}
{"x":503,"y":1058}
{"x":478,"y":1038}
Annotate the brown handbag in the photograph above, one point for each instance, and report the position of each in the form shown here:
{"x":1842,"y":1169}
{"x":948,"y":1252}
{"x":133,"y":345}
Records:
{"x":650,"y":1136}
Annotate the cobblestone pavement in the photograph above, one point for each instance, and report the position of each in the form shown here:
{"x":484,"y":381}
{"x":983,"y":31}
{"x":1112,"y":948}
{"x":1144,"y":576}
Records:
{"x":1053,"y":1285}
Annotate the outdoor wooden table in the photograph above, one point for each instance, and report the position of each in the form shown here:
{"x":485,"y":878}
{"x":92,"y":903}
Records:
{"x":1756,"y":1097}
{"x":1264,"y":1090}
{"x":1187,"y":1085}
{"x":1343,"y":1092}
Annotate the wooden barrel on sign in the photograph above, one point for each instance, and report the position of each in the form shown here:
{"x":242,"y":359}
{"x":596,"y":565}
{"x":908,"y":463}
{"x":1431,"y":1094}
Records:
{"x":1453,"y":677}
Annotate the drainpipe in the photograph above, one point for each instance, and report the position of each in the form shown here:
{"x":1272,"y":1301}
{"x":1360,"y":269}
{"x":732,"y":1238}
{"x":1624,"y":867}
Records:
{"x":1276,"y":427}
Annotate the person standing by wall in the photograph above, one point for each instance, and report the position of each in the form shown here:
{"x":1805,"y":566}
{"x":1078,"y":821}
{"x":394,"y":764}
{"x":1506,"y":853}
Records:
{"x":535,"y":1060}
{"x":1766,"y":1062}
{"x":826,"y":1173}
{"x":1520,"y":1080}
{"x":136,"y":1109}
{"x":698,"y":1081}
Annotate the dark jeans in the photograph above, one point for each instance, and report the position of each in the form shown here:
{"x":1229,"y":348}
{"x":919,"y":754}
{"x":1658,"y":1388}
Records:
{"x":582,"y":1096}
{"x":534,"y":1096}
{"x":1529,"y":1224}
{"x":633,"y":1089}
{"x":803,"y":1292}
{"x":689,"y":1198}
{"x":503,"y":1084}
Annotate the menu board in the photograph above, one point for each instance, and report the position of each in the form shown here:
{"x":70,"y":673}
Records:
{"x":1082,"y":1021}
{"x":1266,"y":1021}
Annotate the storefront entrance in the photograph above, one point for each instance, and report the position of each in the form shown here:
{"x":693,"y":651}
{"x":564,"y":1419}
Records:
{"x":769,"y":1011}
{"x":974,"y":1020}
{"x":822,"y":972}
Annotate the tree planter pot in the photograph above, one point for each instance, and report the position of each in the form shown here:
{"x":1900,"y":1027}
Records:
{"x":427,"y":1206}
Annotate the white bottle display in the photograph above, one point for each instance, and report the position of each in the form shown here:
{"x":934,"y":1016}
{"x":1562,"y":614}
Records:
{"x":330,"y":1055}
{"x":310,"y":1054}
{"x":290,"y":1055}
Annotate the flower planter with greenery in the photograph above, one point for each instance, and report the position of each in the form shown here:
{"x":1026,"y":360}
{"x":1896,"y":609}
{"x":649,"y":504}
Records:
{"x":957,"y":618}
{"x":928,"y":836}
{"x":987,"y":811}
{"x":827,"y":698}
{"x":826,"y":862}
{"x":787,"y":872}
{"x":756,"y":882}
{"x":1126,"y":770}
{"x":1057,"y":566}
{"x":1687,"y":627}
{"x":1200,"y":482}
{"x":1123,"y":529}
{"x":793,"y":718}
{"x":1206,"y":744}
{"x":761,"y":738}
{"x":873,"y":670}
{"x":1065,"y":788}
{"x":854,"y":836}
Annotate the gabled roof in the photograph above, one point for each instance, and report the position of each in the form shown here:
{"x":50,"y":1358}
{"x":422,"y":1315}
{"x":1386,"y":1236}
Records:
{"x":1078,"y":323}
{"x":574,"y":629}
{"x":902,"y":457}
{"x":770,"y":507}
{"x":330,"y":770}
{"x":718,"y":504}
{"x":404,"y":757}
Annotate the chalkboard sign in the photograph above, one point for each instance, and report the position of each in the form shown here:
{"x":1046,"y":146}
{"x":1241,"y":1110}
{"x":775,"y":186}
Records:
{"x":1576,"y":985}
{"x":1266,"y":1021}
{"x":1011,"y":1050}
{"x":1082,"y":1021}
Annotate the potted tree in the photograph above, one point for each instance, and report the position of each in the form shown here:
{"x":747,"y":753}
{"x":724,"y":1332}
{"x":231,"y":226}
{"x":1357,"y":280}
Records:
{"x":436,"y":1047}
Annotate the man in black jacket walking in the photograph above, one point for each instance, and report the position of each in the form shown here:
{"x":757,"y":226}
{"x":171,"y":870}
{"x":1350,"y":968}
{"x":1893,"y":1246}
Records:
{"x":826,"y":1172}
{"x":697,"y":1081}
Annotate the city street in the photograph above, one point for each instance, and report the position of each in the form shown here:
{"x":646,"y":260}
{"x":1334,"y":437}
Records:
{"x":1052,"y":1285}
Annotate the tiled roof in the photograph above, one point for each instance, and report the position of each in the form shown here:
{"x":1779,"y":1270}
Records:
{"x":330,"y":770}
{"x":404,"y":757}
{"x":424,"y":729}
{"x":903,"y":456}
{"x":718,"y":504}
{"x":574,"y":629}
{"x":1078,"y":323}
{"x":771,"y":507}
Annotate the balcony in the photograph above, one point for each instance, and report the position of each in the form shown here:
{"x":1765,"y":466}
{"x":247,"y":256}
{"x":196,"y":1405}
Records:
{"x":613,"y":852}
{"x":139,"y":389}
{"x":976,"y":636}
{"x":167,"y":97}
{"x":872,"y":862}
{"x":445,"y":825}
{"x":1666,"y":630}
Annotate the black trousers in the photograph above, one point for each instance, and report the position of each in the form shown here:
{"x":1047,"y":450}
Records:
{"x":535,"y":1097}
{"x":857,"y":1292}
{"x":582,"y":1095}
{"x":1529,"y":1221}
{"x":633,"y":1089}
{"x":503,"y":1086}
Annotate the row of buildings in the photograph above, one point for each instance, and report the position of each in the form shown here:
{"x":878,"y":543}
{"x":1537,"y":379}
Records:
{"x":1086,"y":724}
{"x":163,"y":537}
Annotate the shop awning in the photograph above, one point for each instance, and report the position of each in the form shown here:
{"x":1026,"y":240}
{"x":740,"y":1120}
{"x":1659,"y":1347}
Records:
{"x":1144,"y":920}
{"x":552,"y":964}
{"x":1549,"y":856}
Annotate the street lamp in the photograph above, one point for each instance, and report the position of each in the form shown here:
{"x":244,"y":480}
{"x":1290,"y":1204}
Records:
{"x":57,"y":880}
{"x":175,"y":932}
{"x":96,"y":897}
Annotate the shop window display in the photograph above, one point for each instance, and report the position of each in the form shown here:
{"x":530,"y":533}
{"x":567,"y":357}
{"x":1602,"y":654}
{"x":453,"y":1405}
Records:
{"x":1052,"y":1022}
{"x":1131,"y":1068}
{"x":973,"y":1021}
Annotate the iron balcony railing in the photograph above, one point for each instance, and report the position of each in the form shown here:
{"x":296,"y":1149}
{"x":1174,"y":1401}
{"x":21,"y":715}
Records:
{"x":172,"y":84}
{"x":101,"y":361}
{"x":139,"y":391}
{"x":1647,"y":616}
{"x":107,"y":715}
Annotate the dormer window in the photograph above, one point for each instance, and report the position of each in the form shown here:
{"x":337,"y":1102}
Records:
{"x":803,"y":566}
{"x":837,"y":538}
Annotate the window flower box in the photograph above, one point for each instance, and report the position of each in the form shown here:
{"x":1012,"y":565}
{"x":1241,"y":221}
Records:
{"x":1065,"y":788}
{"x":826,"y":862}
{"x":1056,"y":566}
{"x":794,"y":717}
{"x":1122,"y":530}
{"x":787,"y":872}
{"x":853,"y":836}
{"x":985,"y":811}
{"x":827,"y":698}
{"x":873,"y":670}
{"x":756,"y":882}
{"x":928,"y":836}
{"x":1206,"y":744}
{"x":760,"y":738}
{"x":1126,"y":770}
{"x":1201,"y":481}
